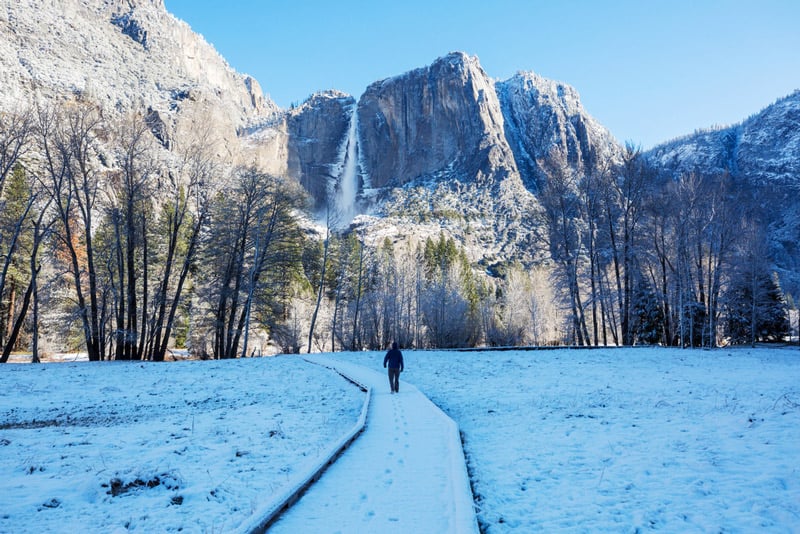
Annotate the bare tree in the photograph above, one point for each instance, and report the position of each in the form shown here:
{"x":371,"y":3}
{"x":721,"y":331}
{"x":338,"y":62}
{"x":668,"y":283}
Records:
{"x":592,"y":194}
{"x":448,"y":303}
{"x":624,"y":203}
{"x":68,"y":144}
{"x":347,"y":292}
{"x":16,"y":130}
{"x":707,"y":226}
{"x":510,"y":320}
{"x":561,"y":206}
{"x":131,"y":189}
{"x":331,"y":221}
{"x":38,"y":224}
{"x":15,"y":207}
{"x":661,"y":264}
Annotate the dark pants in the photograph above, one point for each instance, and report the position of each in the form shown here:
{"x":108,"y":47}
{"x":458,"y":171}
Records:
{"x":394,"y":379}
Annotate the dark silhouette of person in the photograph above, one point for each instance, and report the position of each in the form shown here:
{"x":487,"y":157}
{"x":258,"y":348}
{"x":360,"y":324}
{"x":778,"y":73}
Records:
{"x":395,"y":360}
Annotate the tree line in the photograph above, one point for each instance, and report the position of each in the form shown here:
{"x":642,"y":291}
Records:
{"x":648,"y":257}
{"x":636,"y":256}
{"x":130,"y":248}
{"x":114,"y":245}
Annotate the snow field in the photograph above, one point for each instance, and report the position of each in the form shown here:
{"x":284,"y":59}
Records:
{"x":624,"y":439}
{"x":189,"y":446}
{"x":562,"y":440}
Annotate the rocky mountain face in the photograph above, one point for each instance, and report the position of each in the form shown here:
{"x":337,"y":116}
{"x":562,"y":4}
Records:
{"x":126,"y":55}
{"x":306,"y":143}
{"x":542,"y":116}
{"x":763,"y":149}
{"x":449,"y":117}
{"x":443,"y":147}
{"x":445,"y":140}
{"x":445,"y":116}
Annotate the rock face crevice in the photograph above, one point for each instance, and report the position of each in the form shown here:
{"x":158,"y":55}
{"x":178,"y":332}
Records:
{"x":131,"y":27}
{"x":317,"y":131}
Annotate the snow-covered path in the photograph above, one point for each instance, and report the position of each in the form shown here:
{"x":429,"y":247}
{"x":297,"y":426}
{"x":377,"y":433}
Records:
{"x":405,"y":473}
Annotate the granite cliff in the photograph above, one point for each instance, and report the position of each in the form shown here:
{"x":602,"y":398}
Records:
{"x":443,"y":147}
{"x":125,"y":55}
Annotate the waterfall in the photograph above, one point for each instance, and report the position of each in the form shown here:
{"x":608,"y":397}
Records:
{"x":347,"y":189}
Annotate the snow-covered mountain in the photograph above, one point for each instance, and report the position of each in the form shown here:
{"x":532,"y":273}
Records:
{"x":440,"y":148}
{"x":763,"y":149}
{"x":762,"y":154}
{"x":126,"y":55}
{"x":544,"y":115}
{"x":449,"y":119}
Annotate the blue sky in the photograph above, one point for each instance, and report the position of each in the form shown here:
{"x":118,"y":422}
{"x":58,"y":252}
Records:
{"x":649,"y":70}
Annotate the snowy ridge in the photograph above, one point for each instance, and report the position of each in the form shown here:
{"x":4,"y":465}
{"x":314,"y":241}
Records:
{"x":544,"y":116}
{"x":763,"y":149}
{"x":268,"y":513}
{"x":761,"y":156}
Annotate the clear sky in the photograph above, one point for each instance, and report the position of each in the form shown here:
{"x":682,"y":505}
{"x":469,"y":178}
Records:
{"x":649,"y":70}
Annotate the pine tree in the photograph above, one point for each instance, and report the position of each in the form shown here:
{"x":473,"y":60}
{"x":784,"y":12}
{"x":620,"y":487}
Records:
{"x":756,"y":309}
{"x":15,"y":207}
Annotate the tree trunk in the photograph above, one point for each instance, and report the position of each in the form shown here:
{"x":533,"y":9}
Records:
{"x":187,"y":262}
{"x":20,"y":320}
{"x":12,"y":303}
{"x":321,"y":289}
{"x":356,"y":342}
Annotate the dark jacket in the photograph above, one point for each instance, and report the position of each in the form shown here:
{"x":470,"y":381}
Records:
{"x":394,"y":358}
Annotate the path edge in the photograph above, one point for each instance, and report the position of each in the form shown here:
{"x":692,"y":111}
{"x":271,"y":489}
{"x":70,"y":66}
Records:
{"x":266,"y":515}
{"x":466,"y":519}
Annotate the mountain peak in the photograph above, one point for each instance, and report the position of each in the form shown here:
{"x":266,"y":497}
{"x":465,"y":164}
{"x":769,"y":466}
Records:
{"x":117,"y":5}
{"x":459,"y":58}
{"x":457,"y":62}
{"x":545,"y":90}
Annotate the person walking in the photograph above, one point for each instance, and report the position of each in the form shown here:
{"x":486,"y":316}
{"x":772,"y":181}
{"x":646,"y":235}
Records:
{"x":395,"y":360}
